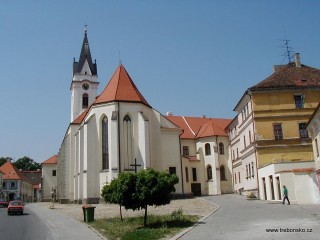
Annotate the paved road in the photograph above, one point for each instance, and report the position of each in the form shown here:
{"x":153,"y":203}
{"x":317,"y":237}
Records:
{"x":238,"y":218}
{"x":26,"y":227}
{"x":40,"y":223}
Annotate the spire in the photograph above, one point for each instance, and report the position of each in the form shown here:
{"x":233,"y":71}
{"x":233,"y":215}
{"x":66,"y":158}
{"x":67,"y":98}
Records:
{"x":85,"y":55}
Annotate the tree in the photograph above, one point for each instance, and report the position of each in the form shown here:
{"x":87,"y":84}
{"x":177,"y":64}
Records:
{"x":120,"y":190}
{"x":154,"y":188}
{"x":26,"y":164}
{"x":138,"y":190}
{"x":4,"y":159}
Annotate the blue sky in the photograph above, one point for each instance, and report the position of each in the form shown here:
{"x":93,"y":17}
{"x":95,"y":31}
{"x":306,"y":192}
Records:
{"x":192,"y":58}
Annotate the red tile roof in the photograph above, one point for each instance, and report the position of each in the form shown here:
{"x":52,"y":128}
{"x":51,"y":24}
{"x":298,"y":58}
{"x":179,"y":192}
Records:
{"x":121,"y":88}
{"x":290,"y":76}
{"x":82,"y":116}
{"x":198,"y":127}
{"x":52,"y":160}
{"x":12,"y":173}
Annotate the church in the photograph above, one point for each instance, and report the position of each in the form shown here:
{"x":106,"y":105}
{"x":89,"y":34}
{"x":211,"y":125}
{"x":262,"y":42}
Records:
{"x":113,"y":132}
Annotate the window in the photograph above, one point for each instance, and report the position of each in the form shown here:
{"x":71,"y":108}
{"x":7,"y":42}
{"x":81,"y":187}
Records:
{"x":54,"y":173}
{"x":207,"y":149}
{"x":194,"y":174}
{"x":277,"y":130}
{"x":249,"y":170}
{"x":244,"y":141}
{"x":222,"y":173}
{"x":85,"y":100}
{"x":252,"y":169}
{"x":105,"y":145}
{"x":172,"y":170}
{"x":187,"y":174}
{"x":250,"y":137}
{"x":317,"y":147}
{"x":221,"y":148}
{"x":185,"y":151}
{"x":303,"y":130}
{"x":127,"y":140}
{"x":4,"y":185}
{"x":239,"y":177}
{"x":13,"y":185}
{"x":209,"y":172}
{"x":299,"y":101}
{"x":235,"y":178}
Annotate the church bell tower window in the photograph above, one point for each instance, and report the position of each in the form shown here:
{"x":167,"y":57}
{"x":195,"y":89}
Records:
{"x":85,"y":100}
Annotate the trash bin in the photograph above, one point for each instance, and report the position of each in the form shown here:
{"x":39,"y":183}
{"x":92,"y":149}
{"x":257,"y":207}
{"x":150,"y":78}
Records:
{"x":88,"y":213}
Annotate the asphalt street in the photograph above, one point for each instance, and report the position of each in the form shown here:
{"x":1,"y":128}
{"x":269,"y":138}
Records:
{"x":27,"y":226}
{"x":239,"y":218}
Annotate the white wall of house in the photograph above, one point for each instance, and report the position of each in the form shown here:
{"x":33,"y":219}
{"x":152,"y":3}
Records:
{"x":48,"y":180}
{"x":301,"y":185}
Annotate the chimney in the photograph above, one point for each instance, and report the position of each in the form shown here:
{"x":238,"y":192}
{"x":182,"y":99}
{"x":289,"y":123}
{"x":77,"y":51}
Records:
{"x":297,"y":59}
{"x":169,"y":114}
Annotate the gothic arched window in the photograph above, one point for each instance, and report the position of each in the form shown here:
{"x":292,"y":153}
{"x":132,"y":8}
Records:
{"x":221,"y":148}
{"x":85,"y":100}
{"x":209,"y":172}
{"x":222,"y":173}
{"x":105,"y":145}
{"x":207,"y":149}
{"x":127,"y":142}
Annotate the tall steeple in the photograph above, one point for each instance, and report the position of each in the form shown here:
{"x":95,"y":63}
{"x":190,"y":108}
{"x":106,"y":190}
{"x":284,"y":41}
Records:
{"x":84,"y":85}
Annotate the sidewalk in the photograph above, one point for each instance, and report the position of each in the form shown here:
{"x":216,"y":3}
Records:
{"x":62,"y":226}
{"x":66,"y":220}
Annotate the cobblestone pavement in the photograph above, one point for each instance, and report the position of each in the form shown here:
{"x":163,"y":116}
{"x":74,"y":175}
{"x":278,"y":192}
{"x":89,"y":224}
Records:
{"x":193,"y":206}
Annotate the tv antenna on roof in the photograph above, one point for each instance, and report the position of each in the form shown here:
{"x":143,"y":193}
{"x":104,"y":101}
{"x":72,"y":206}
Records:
{"x":288,"y":50}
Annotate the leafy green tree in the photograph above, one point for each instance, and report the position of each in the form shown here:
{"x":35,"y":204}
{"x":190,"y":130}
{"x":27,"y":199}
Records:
{"x":154,"y":188}
{"x":120,"y":190}
{"x":138,"y":190}
{"x":26,"y":164}
{"x":4,"y":159}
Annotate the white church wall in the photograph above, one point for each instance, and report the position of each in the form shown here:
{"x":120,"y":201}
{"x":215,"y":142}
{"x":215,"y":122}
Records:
{"x":171,"y":154}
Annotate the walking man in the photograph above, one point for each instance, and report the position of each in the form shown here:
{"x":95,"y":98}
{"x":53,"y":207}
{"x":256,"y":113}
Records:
{"x":285,"y":195}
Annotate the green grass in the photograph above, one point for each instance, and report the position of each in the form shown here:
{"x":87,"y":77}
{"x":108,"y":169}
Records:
{"x":132,"y":228}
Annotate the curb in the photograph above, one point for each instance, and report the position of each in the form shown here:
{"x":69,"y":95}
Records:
{"x":179,"y":235}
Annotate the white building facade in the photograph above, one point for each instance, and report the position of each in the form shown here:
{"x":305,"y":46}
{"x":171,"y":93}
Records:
{"x":314,"y":129}
{"x":242,"y":148}
{"x":114,"y":132}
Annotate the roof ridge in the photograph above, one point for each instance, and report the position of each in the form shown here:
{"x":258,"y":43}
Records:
{"x":188,"y":125}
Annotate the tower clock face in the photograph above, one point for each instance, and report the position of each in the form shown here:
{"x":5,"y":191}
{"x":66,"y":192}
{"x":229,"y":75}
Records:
{"x":85,"y":86}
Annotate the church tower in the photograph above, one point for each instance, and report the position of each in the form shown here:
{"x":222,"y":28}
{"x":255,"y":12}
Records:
{"x":84,"y":85}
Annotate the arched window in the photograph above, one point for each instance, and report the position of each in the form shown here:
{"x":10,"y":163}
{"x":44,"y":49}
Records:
{"x":207,"y":149}
{"x":222,"y":173}
{"x":105,"y":145}
{"x":221,"y":148}
{"x":127,"y":144}
{"x":209,"y":172}
{"x":85,"y":100}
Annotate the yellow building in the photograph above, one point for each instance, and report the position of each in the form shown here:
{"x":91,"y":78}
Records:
{"x":275,"y":113}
